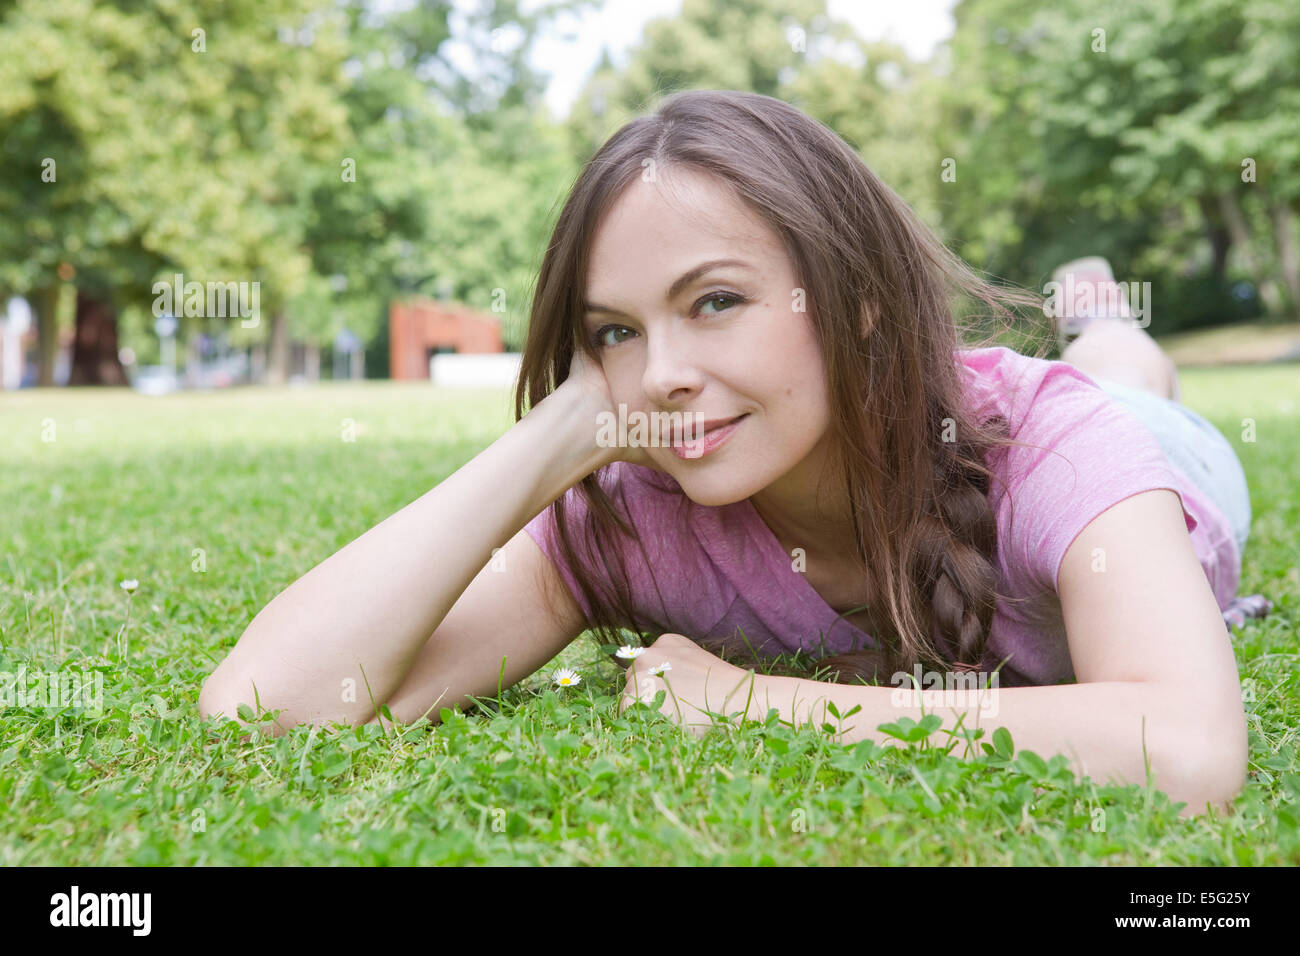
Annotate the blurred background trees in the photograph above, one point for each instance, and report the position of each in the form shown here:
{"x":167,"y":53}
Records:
{"x":333,"y":153}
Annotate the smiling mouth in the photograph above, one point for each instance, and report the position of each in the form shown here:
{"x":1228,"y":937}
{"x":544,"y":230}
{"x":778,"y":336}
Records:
{"x":678,"y":438}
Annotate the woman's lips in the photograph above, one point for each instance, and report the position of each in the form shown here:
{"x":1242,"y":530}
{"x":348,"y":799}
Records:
{"x":712,"y":439}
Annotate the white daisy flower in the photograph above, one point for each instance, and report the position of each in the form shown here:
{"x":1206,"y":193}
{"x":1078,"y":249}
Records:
{"x":566,"y":677}
{"x":130,"y":585}
{"x":629,"y":653}
{"x":658,"y":669}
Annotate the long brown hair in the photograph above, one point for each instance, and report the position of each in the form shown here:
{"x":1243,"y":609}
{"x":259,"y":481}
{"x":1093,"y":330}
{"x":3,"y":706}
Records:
{"x":878,"y":286}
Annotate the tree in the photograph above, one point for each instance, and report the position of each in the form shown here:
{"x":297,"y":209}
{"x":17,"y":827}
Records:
{"x":450,"y":172}
{"x":755,"y":45}
{"x":160,"y":139}
{"x":1123,"y":128}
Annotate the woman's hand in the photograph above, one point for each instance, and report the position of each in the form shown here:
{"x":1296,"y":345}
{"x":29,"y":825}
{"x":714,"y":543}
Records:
{"x":695,"y":682}
{"x":590,"y":389}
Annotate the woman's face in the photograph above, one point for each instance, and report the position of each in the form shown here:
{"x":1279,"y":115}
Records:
{"x":730,"y":341}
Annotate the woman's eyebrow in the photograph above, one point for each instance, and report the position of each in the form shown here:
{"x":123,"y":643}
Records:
{"x":684,"y":280}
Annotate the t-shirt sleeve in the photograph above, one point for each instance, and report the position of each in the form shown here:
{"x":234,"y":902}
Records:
{"x":661,"y":562}
{"x":1091,"y":453}
{"x":542,"y":530}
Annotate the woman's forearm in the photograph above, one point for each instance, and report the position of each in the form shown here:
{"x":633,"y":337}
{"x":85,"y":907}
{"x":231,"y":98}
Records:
{"x":375,"y":602}
{"x":1101,"y":727}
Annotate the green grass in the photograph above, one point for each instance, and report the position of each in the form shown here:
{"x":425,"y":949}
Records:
{"x":258,"y":486}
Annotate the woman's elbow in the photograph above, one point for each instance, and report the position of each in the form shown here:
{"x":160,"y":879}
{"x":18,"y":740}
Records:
{"x":215,"y":698}
{"x":1209,"y":770}
{"x":220,"y":695}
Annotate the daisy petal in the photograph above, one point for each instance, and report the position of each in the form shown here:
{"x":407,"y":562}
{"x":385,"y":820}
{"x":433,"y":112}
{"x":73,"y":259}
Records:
{"x":566,"y":677}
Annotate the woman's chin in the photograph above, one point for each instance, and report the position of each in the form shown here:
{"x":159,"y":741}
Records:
{"x":715,"y":491}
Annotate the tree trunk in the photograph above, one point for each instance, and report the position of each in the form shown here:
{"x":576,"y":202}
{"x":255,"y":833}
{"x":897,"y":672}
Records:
{"x":1269,"y":293}
{"x":277,"y":364}
{"x":46,"y":305}
{"x":1286,"y":253}
{"x":1220,"y":240}
{"x":94,"y":351}
{"x":311,"y":362}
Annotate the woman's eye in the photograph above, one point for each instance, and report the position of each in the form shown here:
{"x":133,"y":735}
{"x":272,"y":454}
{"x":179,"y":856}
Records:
{"x":598,"y":340}
{"x":727,"y":297}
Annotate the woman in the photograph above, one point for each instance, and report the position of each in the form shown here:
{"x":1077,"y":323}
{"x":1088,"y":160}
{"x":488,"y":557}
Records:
{"x":868,"y":490}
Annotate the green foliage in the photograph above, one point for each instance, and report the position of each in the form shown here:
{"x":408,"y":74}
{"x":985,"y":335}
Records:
{"x":173,"y":150}
{"x":296,"y":144}
{"x":1122,"y":129}
{"x":335,"y":154}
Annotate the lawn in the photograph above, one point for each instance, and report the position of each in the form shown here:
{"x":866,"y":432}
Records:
{"x":214,"y":502}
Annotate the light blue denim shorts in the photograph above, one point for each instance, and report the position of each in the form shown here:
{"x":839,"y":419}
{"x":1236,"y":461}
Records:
{"x":1196,"y":447}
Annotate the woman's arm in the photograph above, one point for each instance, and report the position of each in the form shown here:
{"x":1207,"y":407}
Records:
{"x":1109,"y":730}
{"x":375,"y":603}
{"x":1158,"y":682}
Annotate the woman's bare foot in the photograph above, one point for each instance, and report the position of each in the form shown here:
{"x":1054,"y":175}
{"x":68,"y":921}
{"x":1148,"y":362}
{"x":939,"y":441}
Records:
{"x":1103,"y":339}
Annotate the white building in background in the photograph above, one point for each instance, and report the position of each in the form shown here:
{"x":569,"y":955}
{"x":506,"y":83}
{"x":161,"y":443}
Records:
{"x":474,"y":369}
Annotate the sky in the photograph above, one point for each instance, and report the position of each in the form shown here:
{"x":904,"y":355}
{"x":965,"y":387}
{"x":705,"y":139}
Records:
{"x":916,"y":25}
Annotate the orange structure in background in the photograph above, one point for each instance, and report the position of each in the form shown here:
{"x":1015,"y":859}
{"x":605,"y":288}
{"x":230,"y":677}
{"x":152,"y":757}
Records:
{"x":418,"y":329}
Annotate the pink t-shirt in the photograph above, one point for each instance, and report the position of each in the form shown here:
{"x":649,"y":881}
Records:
{"x":725,"y":581}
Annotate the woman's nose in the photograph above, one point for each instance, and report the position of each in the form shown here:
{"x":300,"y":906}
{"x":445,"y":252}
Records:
{"x":672,"y":366}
